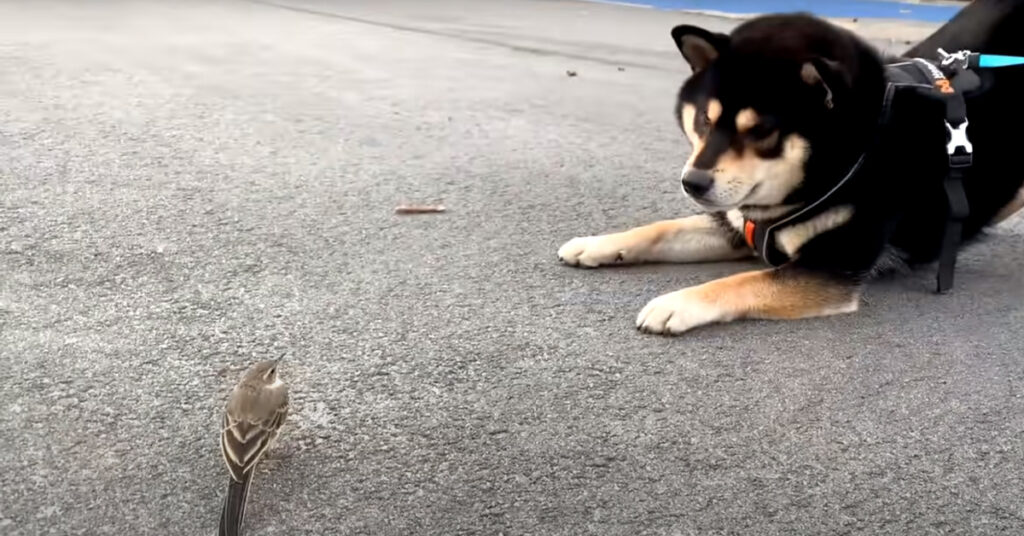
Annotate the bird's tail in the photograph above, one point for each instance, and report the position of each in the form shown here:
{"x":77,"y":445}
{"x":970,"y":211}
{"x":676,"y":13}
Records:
{"x":233,"y":514}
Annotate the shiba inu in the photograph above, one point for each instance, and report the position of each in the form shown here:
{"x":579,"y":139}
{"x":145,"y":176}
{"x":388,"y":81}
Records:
{"x":790,"y":115}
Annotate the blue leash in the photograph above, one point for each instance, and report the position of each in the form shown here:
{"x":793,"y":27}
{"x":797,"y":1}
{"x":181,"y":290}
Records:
{"x":975,"y":60}
{"x":995,"y":60}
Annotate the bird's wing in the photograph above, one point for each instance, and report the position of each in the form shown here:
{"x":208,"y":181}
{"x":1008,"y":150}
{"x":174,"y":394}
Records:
{"x":243,"y":442}
{"x":276,"y":421}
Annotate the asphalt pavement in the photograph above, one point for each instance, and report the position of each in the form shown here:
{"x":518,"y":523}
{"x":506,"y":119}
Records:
{"x":188,"y":187}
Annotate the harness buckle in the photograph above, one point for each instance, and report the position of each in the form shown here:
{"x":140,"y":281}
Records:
{"x":958,"y":139}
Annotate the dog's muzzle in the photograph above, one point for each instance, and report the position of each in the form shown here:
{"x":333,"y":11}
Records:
{"x":697,"y":182}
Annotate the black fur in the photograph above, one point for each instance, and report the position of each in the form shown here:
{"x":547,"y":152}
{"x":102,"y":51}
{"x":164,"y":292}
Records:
{"x":898,"y":197}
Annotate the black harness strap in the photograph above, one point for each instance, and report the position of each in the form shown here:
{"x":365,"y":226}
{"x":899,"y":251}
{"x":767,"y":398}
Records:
{"x":761,"y":237}
{"x":960,"y":153}
{"x":956,"y":199}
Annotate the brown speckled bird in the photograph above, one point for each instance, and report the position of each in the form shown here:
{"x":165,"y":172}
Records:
{"x":255,"y":411}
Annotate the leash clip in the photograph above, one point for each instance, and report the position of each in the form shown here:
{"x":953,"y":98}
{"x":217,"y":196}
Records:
{"x":962,"y":56}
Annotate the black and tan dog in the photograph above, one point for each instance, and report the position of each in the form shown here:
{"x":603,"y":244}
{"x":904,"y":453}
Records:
{"x":778,"y":113}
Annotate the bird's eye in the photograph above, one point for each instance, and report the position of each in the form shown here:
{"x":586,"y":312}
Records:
{"x":705,"y":118}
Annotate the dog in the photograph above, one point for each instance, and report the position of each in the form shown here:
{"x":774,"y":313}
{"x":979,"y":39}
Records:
{"x":783,"y":114}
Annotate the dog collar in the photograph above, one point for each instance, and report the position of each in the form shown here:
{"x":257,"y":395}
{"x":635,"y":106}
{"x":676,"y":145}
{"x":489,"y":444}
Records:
{"x":757,"y":237}
{"x":760,"y":236}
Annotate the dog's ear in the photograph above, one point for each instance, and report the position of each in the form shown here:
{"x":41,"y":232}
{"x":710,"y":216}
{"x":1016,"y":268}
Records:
{"x":699,"y":46}
{"x":827,"y":75}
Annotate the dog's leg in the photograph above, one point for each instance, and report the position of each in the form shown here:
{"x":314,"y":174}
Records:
{"x":782,"y":293}
{"x":697,"y":238}
{"x":1011,"y":208}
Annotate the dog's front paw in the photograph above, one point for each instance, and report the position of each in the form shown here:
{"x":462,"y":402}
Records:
{"x":593,"y":251}
{"x":676,"y":312}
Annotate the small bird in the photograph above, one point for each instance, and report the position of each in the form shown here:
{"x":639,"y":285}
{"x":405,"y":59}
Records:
{"x":255,"y":411}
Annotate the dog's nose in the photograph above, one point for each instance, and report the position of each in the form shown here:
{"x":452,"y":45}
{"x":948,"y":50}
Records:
{"x":697,"y":182}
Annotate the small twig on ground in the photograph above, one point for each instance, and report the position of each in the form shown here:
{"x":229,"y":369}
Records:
{"x":419,"y":209}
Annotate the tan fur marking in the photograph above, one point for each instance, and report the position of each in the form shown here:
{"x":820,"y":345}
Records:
{"x":810,"y":74}
{"x":746,"y":119}
{"x":773,"y":294}
{"x":736,"y":174}
{"x":791,"y":239}
{"x":777,"y":177}
{"x":698,"y":52}
{"x":689,"y":115}
{"x":1011,"y":208}
{"x":714,"y":110}
{"x":776,"y":294}
{"x":692,"y":239}
{"x":686,"y":119}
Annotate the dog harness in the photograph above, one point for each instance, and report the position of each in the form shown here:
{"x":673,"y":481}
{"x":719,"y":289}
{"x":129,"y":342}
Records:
{"x":948,"y":79}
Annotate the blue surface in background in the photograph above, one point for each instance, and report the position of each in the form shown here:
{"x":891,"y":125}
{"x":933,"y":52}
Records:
{"x":826,"y":8}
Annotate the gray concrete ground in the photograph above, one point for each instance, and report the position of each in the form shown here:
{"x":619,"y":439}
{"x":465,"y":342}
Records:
{"x":191,"y":186}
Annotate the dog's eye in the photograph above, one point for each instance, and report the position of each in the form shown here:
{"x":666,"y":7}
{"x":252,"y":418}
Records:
{"x":705,"y":119}
{"x":761,"y":131}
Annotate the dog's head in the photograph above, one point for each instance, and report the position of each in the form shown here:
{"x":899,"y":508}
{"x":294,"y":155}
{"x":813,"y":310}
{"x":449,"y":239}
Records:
{"x":763,"y":103}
